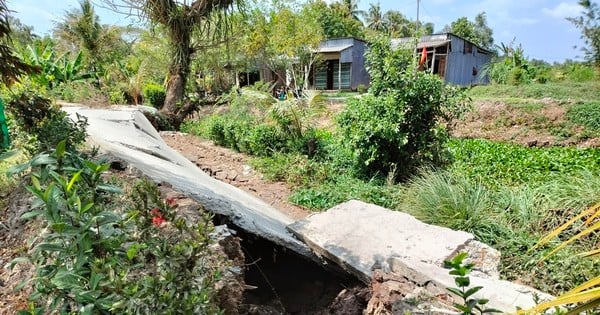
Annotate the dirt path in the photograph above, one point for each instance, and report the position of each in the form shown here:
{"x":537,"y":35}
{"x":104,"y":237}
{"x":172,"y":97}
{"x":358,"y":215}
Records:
{"x":233,"y":168}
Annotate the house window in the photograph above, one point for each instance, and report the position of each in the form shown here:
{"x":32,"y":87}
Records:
{"x":345,"y":76}
{"x":468,"y":48}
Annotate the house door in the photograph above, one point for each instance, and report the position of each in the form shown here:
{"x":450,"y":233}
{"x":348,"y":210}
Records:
{"x":440,"y":66}
{"x":331,"y":67}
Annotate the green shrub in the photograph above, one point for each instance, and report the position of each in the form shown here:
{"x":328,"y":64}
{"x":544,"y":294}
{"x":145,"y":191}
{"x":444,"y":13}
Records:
{"x":45,"y":123}
{"x":116,"y":97}
{"x":361,"y":89}
{"x":398,"y":126}
{"x":581,"y":73}
{"x":155,"y":95}
{"x":264,"y":140}
{"x":96,"y":257}
{"x":215,"y":126}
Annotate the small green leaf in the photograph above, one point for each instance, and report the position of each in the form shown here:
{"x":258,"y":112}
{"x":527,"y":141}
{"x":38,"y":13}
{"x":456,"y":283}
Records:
{"x":86,"y":207}
{"x":21,"y":285}
{"x":132,"y":251}
{"x":462,"y":281}
{"x":110,"y":189}
{"x":61,"y":148}
{"x":31,"y":214}
{"x":42,"y":159}
{"x":455,"y":291}
{"x":472,"y":291}
{"x":8,"y":155}
{"x":73,"y":180}
{"x":17,"y":169}
{"x":18,"y":260}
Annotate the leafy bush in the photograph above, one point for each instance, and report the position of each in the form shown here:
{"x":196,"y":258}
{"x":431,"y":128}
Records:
{"x":400,"y":122}
{"x":265,"y":139}
{"x":45,"y":123}
{"x":361,"y":89}
{"x":580,"y":73}
{"x":97,"y":258}
{"x":116,"y":96}
{"x":155,"y":95}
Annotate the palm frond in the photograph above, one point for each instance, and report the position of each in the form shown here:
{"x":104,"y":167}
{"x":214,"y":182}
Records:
{"x":587,"y":295}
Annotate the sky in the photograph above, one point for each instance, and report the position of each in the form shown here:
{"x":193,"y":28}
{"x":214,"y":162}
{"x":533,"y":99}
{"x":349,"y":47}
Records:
{"x":538,"y":25}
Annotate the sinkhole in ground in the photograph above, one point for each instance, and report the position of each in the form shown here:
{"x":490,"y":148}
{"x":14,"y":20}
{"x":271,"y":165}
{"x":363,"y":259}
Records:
{"x":288,"y":283}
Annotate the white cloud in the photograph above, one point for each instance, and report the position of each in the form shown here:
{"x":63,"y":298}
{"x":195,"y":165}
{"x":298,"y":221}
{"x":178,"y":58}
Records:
{"x":563,"y":10}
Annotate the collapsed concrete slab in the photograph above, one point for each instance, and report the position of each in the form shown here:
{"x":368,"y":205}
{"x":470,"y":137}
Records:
{"x":126,"y":133}
{"x":363,"y":237}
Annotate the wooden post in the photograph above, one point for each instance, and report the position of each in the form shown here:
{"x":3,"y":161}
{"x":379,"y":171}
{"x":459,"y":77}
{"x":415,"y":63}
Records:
{"x":340,"y":75}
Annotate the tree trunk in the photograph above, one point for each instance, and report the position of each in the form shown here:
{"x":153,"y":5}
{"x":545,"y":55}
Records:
{"x":179,"y":70}
{"x":175,"y":93}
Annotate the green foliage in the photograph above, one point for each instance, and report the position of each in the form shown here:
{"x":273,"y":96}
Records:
{"x":336,"y":20}
{"x":498,"y":164}
{"x":361,"y":89}
{"x":54,"y":69}
{"x":155,"y":95}
{"x":45,"y":123}
{"x":589,"y":25}
{"x":97,"y":257}
{"x":477,"y":32}
{"x":586,"y":114}
{"x":11,"y":66}
{"x":454,"y":201}
{"x":400,"y":123}
{"x":460,"y":271}
{"x":580,"y":73}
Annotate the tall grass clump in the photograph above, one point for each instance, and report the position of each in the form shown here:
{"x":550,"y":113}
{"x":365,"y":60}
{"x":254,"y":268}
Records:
{"x":453,"y":201}
{"x":586,"y":114}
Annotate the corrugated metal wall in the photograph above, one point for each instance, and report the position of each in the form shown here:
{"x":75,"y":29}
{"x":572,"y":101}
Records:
{"x":359,"y":68}
{"x":464,"y":68}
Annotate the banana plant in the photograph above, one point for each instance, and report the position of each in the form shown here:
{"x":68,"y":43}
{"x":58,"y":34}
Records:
{"x":55,"y":69}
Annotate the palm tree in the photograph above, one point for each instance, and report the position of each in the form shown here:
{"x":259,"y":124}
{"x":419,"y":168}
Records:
{"x":374,"y":17}
{"x":397,"y":24}
{"x":81,"y":29}
{"x":352,"y":8}
{"x":208,"y":19}
{"x":11,"y":67}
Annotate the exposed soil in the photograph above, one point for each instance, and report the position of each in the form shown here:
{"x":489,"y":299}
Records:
{"x":537,"y":123}
{"x":232,"y":167}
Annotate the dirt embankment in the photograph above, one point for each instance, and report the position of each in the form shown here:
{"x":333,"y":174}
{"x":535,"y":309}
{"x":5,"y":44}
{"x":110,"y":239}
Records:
{"x":538,"y":123}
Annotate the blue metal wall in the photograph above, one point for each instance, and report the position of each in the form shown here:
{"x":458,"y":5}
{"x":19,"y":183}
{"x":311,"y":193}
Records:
{"x":460,"y":65}
{"x":359,"y":68}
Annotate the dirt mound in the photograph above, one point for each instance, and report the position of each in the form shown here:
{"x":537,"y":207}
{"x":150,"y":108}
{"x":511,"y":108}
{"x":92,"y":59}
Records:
{"x":537,"y":123}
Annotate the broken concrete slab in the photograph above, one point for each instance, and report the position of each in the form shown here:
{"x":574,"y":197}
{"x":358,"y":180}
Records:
{"x":363,"y":237}
{"x":126,"y":133}
{"x":360,"y":235}
{"x":502,"y":295}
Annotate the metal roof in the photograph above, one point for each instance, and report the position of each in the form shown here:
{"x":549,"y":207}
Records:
{"x":433,"y":44}
{"x":408,"y":42}
{"x":333,"y":49}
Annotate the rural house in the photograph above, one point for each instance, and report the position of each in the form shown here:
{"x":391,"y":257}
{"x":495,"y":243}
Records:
{"x":454,"y":59}
{"x":341,"y":66}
